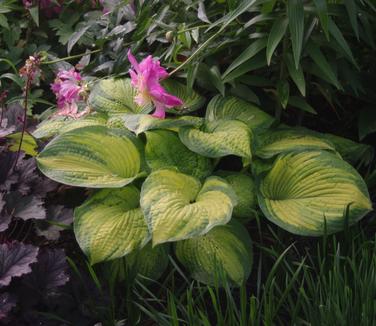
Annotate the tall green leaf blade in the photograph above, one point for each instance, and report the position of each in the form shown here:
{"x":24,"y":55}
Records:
{"x":309,"y":193}
{"x":110,"y":224}
{"x":336,"y":33}
{"x":322,"y":10}
{"x":164,"y":149}
{"x":296,"y":75}
{"x":95,"y":156}
{"x":295,"y":14}
{"x":352,"y":11}
{"x":176,"y":206}
{"x":317,"y":56}
{"x":301,"y":104}
{"x":247,"y":54}
{"x":277,"y":32}
{"x":225,"y":253}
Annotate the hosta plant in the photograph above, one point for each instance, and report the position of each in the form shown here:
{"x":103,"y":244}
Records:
{"x":164,"y":187}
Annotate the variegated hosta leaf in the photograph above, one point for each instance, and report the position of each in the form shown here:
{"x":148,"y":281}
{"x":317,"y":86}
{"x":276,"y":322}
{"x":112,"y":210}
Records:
{"x":218,"y":139}
{"x":351,"y":151}
{"x":58,"y":125}
{"x":115,"y":96}
{"x":271,"y":143}
{"x":110,"y":224}
{"x":139,"y":123}
{"x":245,"y":191}
{"x":176,"y":206}
{"x":150,"y":261}
{"x":164,"y":149}
{"x":224,"y":253}
{"x":192,"y":101}
{"x":95,"y":157}
{"x":304,"y":191}
{"x":234,"y":108}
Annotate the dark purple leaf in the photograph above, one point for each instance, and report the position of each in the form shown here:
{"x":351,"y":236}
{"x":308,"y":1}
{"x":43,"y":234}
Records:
{"x":25,"y":207}
{"x":50,"y":272}
{"x":7,"y":302}
{"x":56,"y":215}
{"x":15,"y":260}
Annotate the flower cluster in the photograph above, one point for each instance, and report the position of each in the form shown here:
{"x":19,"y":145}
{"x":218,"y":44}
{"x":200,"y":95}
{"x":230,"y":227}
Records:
{"x":69,"y":90}
{"x":146,"y":77}
{"x":31,"y":70}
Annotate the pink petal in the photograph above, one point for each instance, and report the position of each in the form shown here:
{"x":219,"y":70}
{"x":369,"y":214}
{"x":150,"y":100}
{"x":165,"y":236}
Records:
{"x":133,"y":61}
{"x":159,"y":94}
{"x":159,"y":112}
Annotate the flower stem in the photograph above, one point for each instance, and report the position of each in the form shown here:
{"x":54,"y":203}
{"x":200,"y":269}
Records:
{"x":27,"y":88}
{"x":70,"y":57}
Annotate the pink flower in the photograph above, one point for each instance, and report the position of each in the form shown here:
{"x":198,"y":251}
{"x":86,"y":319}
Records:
{"x":69,"y":90}
{"x":146,"y":77}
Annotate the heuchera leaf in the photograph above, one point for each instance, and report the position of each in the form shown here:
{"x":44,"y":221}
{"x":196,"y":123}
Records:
{"x":7,"y":302}
{"x":58,"y":218}
{"x":15,"y":260}
{"x":50,"y":272}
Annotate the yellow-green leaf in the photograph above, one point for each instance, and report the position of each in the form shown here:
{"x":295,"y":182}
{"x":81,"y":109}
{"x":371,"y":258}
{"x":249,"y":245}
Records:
{"x":310,"y":193}
{"x":224,"y":253}
{"x":110,"y":224}
{"x":164,"y":149}
{"x":176,"y":206}
{"x":219,"y":138}
{"x":95,"y":156}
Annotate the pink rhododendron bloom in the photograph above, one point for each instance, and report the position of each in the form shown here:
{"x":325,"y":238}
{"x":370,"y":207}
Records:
{"x":69,"y":89}
{"x":146,"y":77}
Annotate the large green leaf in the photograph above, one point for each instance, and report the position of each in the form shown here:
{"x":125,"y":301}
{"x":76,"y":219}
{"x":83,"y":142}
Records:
{"x":233,"y":108}
{"x":225,"y":253}
{"x":192,"y":101}
{"x":164,"y":149}
{"x":139,"y":123}
{"x":245,"y":191}
{"x":110,"y":224}
{"x":271,"y":143}
{"x":177,"y":206}
{"x":114,"y":96}
{"x":310,"y":193}
{"x":58,"y":125}
{"x":218,"y":139}
{"x":94,"y":156}
{"x":150,"y":261}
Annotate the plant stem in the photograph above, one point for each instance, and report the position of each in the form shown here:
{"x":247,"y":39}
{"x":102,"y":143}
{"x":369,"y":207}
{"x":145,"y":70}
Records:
{"x":27,"y":88}
{"x":70,"y":57}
